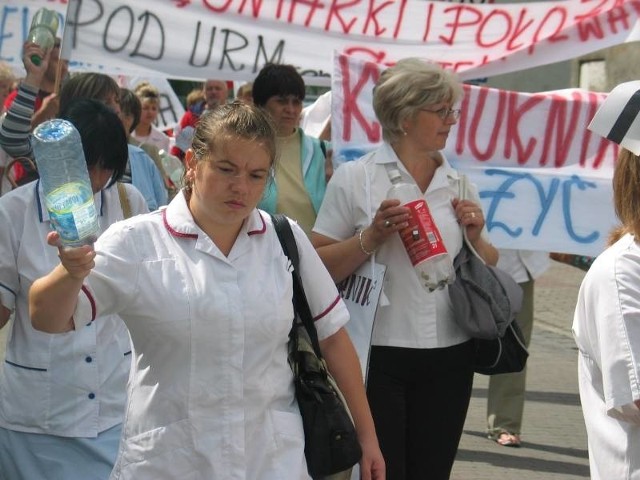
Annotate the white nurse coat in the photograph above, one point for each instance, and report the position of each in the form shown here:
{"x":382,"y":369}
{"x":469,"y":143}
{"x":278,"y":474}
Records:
{"x":71,"y":384}
{"x":606,"y":328}
{"x":211,"y":393}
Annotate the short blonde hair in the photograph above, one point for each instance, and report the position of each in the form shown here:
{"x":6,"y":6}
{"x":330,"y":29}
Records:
{"x":411,"y":84}
{"x":194,"y":97}
{"x":6,"y":73}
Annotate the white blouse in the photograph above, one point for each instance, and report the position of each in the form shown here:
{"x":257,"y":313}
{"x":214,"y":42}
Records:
{"x":211,"y":393}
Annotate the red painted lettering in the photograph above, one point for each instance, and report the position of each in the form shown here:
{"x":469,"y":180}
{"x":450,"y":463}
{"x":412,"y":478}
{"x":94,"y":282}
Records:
{"x":256,"y":7}
{"x":396,"y":31}
{"x":474,"y":17}
{"x":218,"y":9}
{"x":427,"y":25}
{"x":593,"y":100}
{"x":512,"y":139}
{"x":479,"y":115}
{"x":590,"y":28}
{"x":557,"y":127}
{"x":494,"y":28}
{"x":616,"y":16}
{"x":372,"y":17}
{"x":312,"y":4}
{"x":519,"y":30}
{"x":334,"y":11}
{"x":350,"y":110}
{"x":554,"y":36}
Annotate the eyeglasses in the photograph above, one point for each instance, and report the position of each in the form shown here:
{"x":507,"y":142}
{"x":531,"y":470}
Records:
{"x":444,"y":113}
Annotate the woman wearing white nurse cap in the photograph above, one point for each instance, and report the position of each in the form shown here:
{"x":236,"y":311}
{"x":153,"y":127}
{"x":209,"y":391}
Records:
{"x":618,"y":117}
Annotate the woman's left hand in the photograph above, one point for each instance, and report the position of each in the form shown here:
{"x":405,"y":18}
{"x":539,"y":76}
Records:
{"x":470,"y":216}
{"x":372,"y":466}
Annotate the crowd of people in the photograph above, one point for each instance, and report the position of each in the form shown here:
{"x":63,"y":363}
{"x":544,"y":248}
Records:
{"x":161,"y":350}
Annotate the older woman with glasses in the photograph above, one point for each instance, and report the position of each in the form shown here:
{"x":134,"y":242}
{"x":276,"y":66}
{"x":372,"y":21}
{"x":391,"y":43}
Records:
{"x":420,"y":368}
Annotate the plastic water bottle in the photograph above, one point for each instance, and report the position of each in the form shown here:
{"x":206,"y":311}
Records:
{"x":65,"y":182}
{"x":44,"y":26}
{"x":421,"y":237}
{"x":173,"y":167}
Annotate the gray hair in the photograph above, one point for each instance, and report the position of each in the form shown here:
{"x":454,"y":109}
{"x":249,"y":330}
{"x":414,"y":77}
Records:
{"x":403,"y":89}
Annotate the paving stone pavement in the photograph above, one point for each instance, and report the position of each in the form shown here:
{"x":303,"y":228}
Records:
{"x":554,"y":437}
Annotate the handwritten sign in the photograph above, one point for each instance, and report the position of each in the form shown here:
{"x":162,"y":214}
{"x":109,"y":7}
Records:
{"x":233,"y":39}
{"x":544,"y":179}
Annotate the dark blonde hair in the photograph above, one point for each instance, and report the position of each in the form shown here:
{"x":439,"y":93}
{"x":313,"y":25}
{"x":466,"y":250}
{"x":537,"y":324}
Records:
{"x":88,"y":85}
{"x":626,"y":190}
{"x":195,"y":96}
{"x":147,"y":92}
{"x":217,"y":128}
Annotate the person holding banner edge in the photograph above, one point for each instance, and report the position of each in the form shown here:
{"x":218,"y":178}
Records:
{"x":420,"y":369}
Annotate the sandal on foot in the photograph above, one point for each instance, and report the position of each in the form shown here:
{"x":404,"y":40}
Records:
{"x":507,"y":439}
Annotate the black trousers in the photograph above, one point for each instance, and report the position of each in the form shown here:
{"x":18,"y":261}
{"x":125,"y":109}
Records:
{"x":419,"y":400}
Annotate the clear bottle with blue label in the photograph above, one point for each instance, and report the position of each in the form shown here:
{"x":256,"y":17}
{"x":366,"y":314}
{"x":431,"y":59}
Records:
{"x":65,"y":182}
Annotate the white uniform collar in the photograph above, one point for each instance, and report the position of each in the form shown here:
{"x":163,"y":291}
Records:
{"x":179,"y":222}
{"x":444,"y":175}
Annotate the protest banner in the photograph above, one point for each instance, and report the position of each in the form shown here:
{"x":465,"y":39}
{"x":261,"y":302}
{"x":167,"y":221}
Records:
{"x":544,"y":179}
{"x":233,"y":39}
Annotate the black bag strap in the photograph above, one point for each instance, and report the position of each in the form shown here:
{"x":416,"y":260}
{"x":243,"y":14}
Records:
{"x":300,"y":303}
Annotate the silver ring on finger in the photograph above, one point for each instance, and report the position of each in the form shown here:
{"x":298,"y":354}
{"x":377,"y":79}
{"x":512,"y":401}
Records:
{"x":473,"y":214}
{"x":387,"y":224}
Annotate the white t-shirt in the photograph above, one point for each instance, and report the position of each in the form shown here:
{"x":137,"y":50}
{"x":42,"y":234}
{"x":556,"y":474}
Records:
{"x":413,"y":318}
{"x":606,"y":328}
{"x":521,"y":264}
{"x":155,"y":138}
{"x":211,"y":393}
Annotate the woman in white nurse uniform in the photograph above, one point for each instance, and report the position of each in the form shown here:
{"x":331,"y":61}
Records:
{"x":606,"y":325}
{"x":206,"y":293}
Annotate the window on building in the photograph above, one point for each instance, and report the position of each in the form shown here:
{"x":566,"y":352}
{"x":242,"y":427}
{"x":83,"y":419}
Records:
{"x":593,"y":75}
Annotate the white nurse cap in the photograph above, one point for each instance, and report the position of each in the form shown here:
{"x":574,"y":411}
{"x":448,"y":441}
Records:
{"x":618,"y":118}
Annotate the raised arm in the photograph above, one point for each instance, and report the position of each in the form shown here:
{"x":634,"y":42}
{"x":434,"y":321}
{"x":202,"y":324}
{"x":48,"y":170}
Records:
{"x":344,"y":365}
{"x":16,"y":125}
{"x":53,"y":298}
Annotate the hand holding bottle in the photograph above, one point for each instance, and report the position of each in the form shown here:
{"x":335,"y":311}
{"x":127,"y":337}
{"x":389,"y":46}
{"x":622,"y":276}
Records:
{"x":391,"y":217}
{"x":77,"y":261}
{"x":35,"y":72}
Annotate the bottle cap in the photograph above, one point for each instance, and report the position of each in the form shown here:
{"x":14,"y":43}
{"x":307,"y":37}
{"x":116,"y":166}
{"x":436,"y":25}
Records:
{"x":394,"y":174}
{"x":53,"y":130}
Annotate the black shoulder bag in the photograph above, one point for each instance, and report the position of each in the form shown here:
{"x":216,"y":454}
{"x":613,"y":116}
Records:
{"x":331,"y":443}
